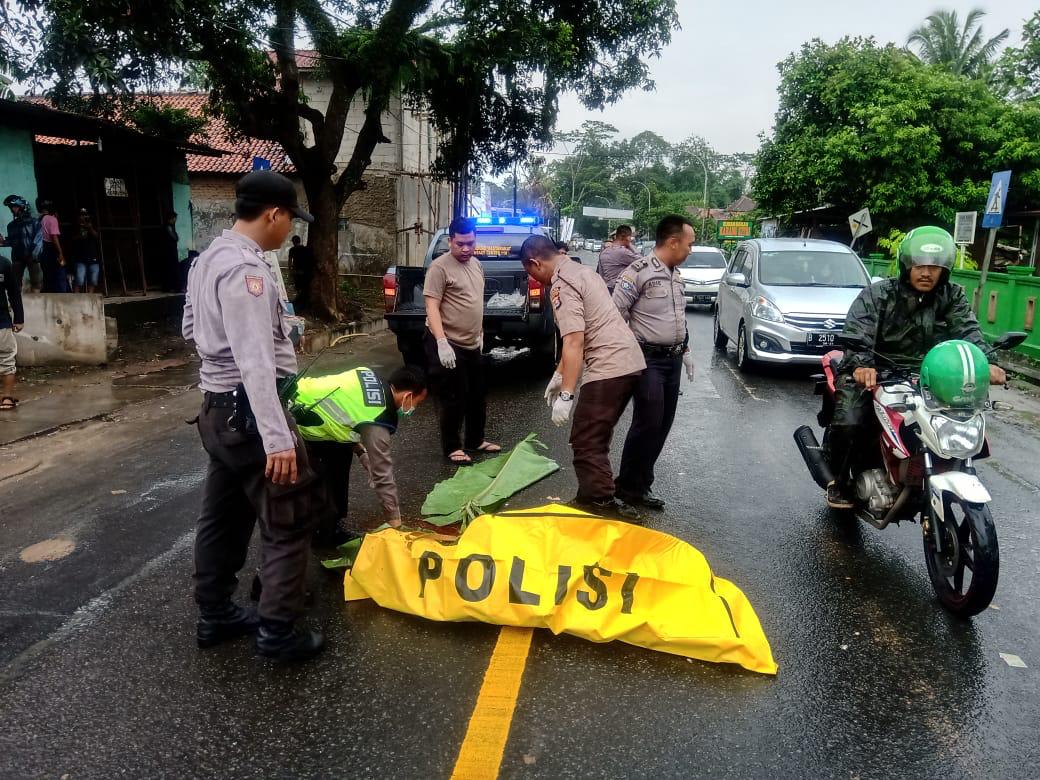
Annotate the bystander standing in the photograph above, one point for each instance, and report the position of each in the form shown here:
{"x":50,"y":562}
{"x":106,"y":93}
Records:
{"x":23,"y":238}
{"x":85,"y":255}
{"x":11,"y":319}
{"x":301,"y":266}
{"x":52,"y":256}
{"x":617,"y":257}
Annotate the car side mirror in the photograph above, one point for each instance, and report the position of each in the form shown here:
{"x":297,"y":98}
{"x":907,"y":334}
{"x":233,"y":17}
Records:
{"x":876,"y":279}
{"x":736,"y":280}
{"x":1010,"y":340}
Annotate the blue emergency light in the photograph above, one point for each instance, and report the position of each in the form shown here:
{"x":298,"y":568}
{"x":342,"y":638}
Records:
{"x":526,"y":221}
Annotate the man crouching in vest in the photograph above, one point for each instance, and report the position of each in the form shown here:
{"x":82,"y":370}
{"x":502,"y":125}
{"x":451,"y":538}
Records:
{"x":354,"y":413}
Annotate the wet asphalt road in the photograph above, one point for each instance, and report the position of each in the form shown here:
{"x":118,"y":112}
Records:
{"x":99,"y":676}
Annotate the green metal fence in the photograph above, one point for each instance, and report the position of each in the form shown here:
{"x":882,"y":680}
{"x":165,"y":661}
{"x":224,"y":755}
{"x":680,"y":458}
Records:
{"x":1009,"y":301}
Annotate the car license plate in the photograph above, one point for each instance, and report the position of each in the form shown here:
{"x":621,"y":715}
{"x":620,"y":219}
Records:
{"x":821,"y":339}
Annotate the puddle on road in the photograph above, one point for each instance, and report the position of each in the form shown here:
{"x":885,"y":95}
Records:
{"x":48,"y":550}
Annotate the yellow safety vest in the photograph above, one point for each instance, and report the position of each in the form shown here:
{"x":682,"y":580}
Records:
{"x":343,"y":401}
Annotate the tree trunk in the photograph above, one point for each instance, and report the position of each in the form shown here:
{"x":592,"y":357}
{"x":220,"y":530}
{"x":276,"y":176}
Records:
{"x":323,"y":240}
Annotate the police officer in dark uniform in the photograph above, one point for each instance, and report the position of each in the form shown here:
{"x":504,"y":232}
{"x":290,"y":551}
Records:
{"x":649,"y":295}
{"x":258,"y":467}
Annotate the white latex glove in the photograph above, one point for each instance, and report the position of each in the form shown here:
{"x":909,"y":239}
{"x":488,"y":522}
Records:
{"x":687,"y":361}
{"x":561,"y":411}
{"x":552,"y":390}
{"x":445,"y":353}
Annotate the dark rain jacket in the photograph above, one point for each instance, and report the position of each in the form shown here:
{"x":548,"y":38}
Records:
{"x":902,"y":324}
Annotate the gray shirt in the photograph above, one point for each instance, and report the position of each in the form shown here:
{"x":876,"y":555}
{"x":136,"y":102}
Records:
{"x":375,"y":439}
{"x":650,"y":298}
{"x":233,"y":313}
{"x":613,"y":261}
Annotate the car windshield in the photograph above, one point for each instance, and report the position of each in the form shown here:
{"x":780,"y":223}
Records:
{"x":491,"y":243}
{"x":705,"y":260}
{"x":806,"y":268}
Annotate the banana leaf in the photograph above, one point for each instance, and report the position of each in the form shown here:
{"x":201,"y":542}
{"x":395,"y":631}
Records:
{"x":486,"y":486}
{"x":349,"y":552}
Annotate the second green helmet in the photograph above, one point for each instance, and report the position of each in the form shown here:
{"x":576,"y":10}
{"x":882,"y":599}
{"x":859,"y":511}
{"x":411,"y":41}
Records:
{"x":927,"y":245}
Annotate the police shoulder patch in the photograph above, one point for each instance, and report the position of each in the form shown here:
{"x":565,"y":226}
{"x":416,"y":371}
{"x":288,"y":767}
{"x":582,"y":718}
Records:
{"x":255,"y":285}
{"x":371,"y":388}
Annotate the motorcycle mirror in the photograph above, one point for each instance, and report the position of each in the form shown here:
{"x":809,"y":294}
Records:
{"x":1010,"y":340}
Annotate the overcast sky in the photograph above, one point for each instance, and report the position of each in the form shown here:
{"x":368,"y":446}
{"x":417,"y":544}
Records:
{"x":718,"y":76}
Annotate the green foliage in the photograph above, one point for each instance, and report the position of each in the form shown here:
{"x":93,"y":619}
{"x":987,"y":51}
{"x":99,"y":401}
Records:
{"x":485,"y":486}
{"x":488,"y":73}
{"x":1017,"y":72}
{"x":891,"y":242}
{"x":959,"y":49}
{"x":165,"y":122}
{"x":866,"y":125}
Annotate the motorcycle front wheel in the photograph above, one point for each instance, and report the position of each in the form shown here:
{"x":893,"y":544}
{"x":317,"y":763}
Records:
{"x":964,"y":574}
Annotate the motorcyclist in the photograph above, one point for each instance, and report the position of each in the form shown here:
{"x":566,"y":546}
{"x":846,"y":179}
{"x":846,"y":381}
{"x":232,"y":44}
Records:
{"x":900,"y":319}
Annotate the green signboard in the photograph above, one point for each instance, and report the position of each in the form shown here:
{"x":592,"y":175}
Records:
{"x":734,"y":229}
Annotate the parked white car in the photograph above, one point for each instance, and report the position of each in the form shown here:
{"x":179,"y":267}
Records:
{"x":785,"y":300}
{"x":701,"y":275}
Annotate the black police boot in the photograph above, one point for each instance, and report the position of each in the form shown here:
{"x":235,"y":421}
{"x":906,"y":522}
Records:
{"x":609,"y":508}
{"x":647,"y":499}
{"x":283,"y":642}
{"x":332,"y":537}
{"x":227,"y":621}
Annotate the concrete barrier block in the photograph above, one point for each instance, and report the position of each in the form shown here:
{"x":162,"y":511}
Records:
{"x":62,"y":328}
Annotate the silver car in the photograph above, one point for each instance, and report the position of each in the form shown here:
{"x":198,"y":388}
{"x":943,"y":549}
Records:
{"x":784,"y":300}
{"x":701,"y":274}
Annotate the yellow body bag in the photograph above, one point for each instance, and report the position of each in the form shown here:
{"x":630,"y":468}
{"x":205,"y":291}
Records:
{"x":555,"y":567}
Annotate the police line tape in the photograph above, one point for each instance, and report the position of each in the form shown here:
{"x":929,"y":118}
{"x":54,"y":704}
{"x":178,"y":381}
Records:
{"x":555,"y":567}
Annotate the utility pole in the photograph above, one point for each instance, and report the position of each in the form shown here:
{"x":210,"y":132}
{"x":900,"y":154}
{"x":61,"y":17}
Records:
{"x":514,"y":188}
{"x":704,"y":198}
{"x":649,"y":227}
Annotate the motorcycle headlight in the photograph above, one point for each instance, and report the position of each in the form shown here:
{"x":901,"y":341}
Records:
{"x":766,"y":310}
{"x":959,"y":438}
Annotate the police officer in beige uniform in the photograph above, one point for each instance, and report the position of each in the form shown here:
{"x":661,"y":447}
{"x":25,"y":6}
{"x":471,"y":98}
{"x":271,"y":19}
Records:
{"x":649,"y":296}
{"x":600,"y":349}
{"x":258,"y":468}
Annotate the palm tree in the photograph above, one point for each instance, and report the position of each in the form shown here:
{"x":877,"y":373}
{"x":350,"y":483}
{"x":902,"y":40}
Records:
{"x":941,"y":40}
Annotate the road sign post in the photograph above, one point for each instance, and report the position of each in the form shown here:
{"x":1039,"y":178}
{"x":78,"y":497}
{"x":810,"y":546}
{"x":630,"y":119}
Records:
{"x":996,"y":202}
{"x":860,"y":225}
{"x":964,"y":233}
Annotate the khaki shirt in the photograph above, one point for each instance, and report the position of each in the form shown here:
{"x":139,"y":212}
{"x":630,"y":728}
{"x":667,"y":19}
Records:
{"x":613,"y":262}
{"x":459,"y":287}
{"x":581,"y":303}
{"x":651,"y":299}
{"x":234,"y":314}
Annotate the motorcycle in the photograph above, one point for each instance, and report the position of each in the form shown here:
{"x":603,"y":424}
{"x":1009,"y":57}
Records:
{"x":924,"y":467}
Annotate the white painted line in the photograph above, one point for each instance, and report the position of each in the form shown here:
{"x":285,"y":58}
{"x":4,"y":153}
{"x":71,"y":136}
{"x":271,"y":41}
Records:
{"x":750,"y":390}
{"x":1013,"y":660}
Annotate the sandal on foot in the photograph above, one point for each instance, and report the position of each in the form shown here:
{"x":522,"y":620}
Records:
{"x":7,"y":403}
{"x":459,"y":458}
{"x":489,"y":448}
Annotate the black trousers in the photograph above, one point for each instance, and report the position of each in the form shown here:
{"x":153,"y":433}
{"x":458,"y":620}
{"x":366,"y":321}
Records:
{"x":599,"y":407}
{"x":462,"y":395}
{"x":851,"y":425}
{"x":653,"y":412}
{"x":236,"y":495}
{"x":331,"y":460}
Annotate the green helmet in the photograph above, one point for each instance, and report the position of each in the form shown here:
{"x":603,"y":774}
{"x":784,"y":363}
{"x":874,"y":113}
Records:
{"x":927,"y":246}
{"x":955,"y":375}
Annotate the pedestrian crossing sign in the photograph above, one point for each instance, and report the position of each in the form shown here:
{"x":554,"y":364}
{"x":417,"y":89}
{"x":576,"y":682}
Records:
{"x":996,"y":201}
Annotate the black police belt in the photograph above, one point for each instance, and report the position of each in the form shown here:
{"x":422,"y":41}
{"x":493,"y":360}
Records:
{"x":242,"y":418}
{"x":662,"y":350}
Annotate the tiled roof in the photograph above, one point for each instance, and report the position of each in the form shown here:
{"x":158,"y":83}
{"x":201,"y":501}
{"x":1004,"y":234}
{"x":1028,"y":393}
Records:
{"x":742,"y":205}
{"x":238,"y":151}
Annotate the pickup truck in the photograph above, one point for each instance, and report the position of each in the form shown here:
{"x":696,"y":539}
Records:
{"x":525,"y":322}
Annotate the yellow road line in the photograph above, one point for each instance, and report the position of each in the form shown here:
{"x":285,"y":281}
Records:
{"x":481,"y":753}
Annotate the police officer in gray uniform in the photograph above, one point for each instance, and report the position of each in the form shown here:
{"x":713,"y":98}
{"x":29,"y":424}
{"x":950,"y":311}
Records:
{"x":649,"y":295}
{"x":258,"y":468}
